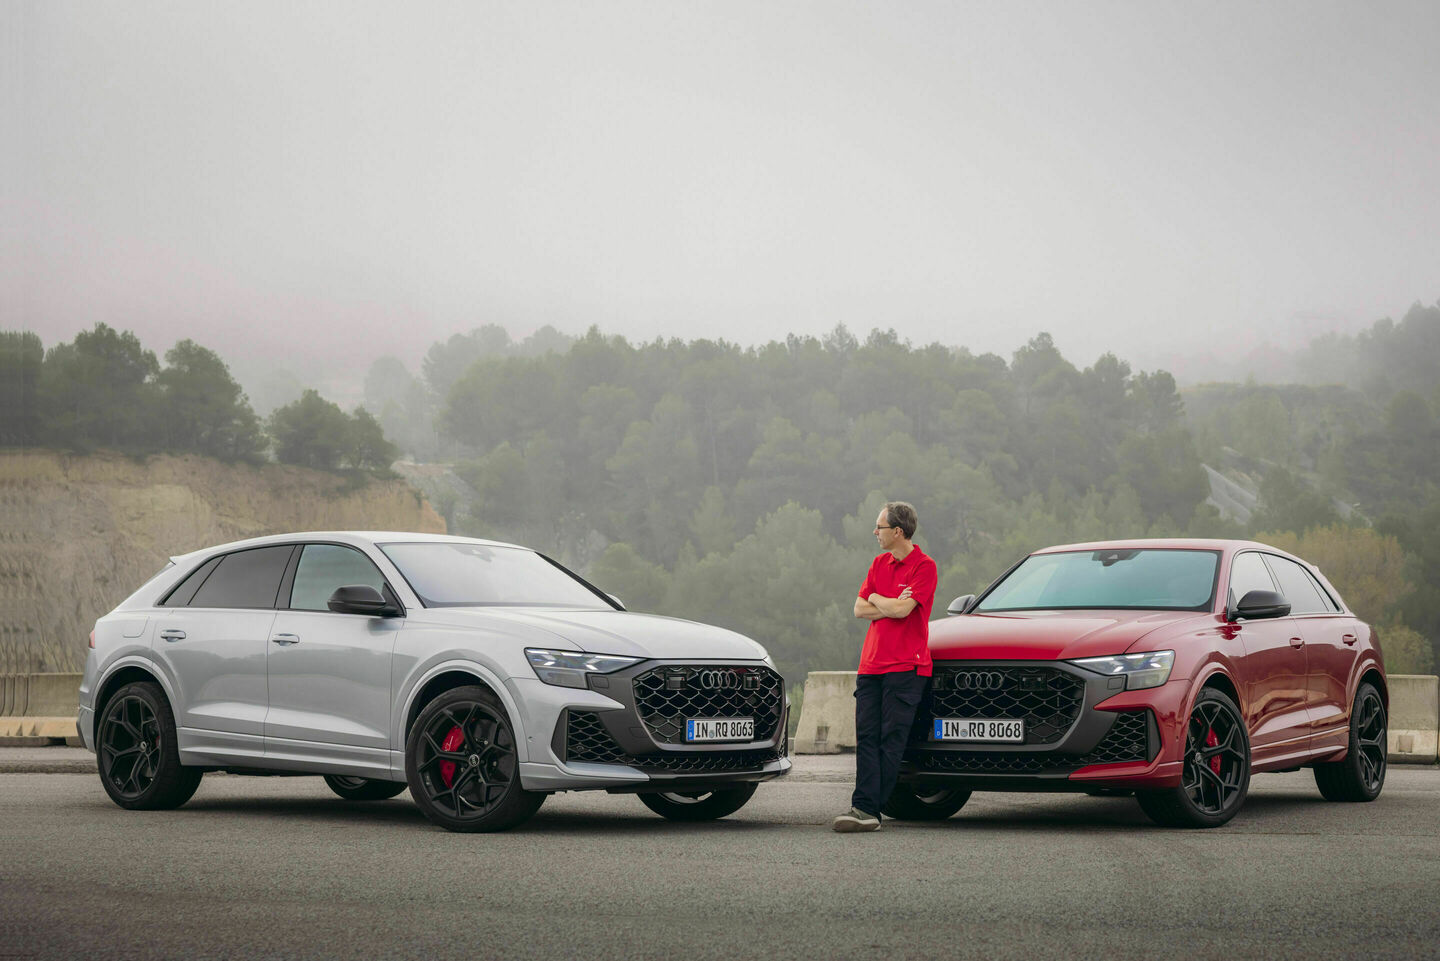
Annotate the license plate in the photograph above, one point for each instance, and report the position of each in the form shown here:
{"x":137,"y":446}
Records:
{"x":720,"y":729}
{"x":979,"y":729}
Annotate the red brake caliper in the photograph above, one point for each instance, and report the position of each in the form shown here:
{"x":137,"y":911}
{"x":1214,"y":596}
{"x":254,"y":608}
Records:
{"x":1210,"y":741}
{"x":454,"y":739}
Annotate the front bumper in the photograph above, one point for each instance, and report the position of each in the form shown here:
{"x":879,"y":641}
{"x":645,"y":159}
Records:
{"x":1082,"y":730}
{"x":626,"y":733}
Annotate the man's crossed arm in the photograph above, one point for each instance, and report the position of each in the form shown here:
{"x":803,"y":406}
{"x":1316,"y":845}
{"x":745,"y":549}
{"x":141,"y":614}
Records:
{"x":876,"y":606}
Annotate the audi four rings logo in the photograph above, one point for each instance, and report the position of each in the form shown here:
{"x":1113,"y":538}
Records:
{"x":719,"y":680}
{"x":980,"y":680}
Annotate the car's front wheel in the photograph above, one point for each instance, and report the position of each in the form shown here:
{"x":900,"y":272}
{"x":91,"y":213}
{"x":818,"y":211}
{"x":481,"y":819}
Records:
{"x":462,"y":764}
{"x":1216,"y":773}
{"x":137,"y":752}
{"x":363,"y":788}
{"x":1362,"y":774}
{"x":698,"y":805}
{"x":909,"y":803}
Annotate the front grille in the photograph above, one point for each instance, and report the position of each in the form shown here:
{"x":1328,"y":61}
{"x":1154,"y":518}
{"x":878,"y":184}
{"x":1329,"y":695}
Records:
{"x":587,"y":740}
{"x":666,"y":696}
{"x":1048,"y":700}
{"x":1127,"y":740}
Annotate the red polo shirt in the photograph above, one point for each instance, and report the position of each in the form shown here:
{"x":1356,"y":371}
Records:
{"x":900,"y":643}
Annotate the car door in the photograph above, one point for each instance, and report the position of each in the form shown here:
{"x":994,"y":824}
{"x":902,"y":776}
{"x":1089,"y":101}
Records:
{"x":329,"y":673}
{"x":211,"y":637}
{"x":1330,"y":648}
{"x":1273,"y":674}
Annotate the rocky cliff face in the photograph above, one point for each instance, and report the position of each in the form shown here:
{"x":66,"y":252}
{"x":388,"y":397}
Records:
{"x":79,"y":534}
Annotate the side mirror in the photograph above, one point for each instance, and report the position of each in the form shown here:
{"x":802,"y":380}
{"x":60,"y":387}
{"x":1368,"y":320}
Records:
{"x":360,"y":599}
{"x":960,"y":603}
{"x":618,"y":603}
{"x":1259,"y":605}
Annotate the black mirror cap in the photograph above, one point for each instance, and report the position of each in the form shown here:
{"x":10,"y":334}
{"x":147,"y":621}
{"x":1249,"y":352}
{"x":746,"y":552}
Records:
{"x":360,"y":599}
{"x":960,"y":605}
{"x":1259,"y":605}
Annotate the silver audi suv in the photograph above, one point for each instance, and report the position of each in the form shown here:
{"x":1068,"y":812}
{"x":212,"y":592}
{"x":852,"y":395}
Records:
{"x":481,"y":675}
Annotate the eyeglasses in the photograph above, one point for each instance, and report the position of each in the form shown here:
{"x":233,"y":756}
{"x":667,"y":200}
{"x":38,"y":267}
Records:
{"x":887,"y":527}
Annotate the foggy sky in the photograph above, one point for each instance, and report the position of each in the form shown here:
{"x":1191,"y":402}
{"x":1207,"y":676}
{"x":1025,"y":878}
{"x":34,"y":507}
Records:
{"x":296,"y":184}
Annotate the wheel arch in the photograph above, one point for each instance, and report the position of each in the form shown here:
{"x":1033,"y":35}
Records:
{"x":1223,"y":683}
{"x":1372,"y":674}
{"x":128,"y":672}
{"x":447,"y":677}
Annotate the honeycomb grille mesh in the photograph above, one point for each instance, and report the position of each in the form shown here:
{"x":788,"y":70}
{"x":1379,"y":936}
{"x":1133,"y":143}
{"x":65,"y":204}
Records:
{"x":587,"y":740}
{"x":1048,"y":700}
{"x":666,"y":696}
{"x":1126,"y":741}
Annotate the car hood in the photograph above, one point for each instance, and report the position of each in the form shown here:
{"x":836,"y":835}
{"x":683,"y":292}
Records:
{"x":605,"y":632}
{"x":1046,"y":635}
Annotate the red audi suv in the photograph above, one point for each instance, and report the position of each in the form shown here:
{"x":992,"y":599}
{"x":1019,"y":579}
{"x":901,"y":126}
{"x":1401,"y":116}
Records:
{"x":1173,"y":669}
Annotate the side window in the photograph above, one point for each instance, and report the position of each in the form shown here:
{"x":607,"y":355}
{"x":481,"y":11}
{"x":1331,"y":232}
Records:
{"x":1248,"y":573}
{"x":245,"y":579}
{"x":182,"y":595}
{"x":323,"y":568}
{"x":1298,"y":588}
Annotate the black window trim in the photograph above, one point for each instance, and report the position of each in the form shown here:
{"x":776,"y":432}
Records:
{"x":287,"y":579}
{"x":1314,"y":582}
{"x":287,"y":582}
{"x":1231,"y":600}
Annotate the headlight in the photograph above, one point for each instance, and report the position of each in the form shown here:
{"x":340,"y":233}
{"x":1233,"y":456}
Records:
{"x":570,"y":668}
{"x":1140,"y":670}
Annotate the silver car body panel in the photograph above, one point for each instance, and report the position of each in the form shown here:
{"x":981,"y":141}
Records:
{"x":336,"y":693}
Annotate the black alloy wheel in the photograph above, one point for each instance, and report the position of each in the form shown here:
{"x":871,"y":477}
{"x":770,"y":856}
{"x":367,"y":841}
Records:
{"x":914,"y":803}
{"x":1215,"y":776}
{"x":363,"y":788}
{"x":699,"y":805}
{"x":462,"y":764}
{"x":137,"y":753}
{"x":1362,"y":774}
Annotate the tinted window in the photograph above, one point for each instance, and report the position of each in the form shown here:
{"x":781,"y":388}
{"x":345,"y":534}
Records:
{"x":245,"y":579}
{"x":324,"y":567}
{"x":1131,"y":578}
{"x":1248,"y":574}
{"x":1295,"y":584}
{"x":182,"y":594}
{"x":469,"y":575}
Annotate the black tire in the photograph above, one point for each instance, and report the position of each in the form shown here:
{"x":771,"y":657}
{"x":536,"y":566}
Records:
{"x":699,"y":805}
{"x":462,"y":765}
{"x":363,"y":788}
{"x":907,"y":803}
{"x":1216,"y":774}
{"x":1362,"y":774}
{"x":137,"y":753}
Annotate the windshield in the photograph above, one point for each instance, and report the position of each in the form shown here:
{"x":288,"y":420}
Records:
{"x":479,"y":575}
{"x":1164,"y":580}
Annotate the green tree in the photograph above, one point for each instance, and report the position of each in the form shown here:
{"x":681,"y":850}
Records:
{"x":202,"y":407}
{"x":639,"y":584}
{"x":99,"y":392}
{"x":1289,"y":504}
{"x":21,"y":359}
{"x":367,"y":448}
{"x":311,"y":432}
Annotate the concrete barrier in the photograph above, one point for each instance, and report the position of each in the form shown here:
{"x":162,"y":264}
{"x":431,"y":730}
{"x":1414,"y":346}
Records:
{"x":53,"y":695}
{"x":827,"y":716}
{"x":827,"y":713}
{"x":14,"y":690}
{"x":1414,"y":718}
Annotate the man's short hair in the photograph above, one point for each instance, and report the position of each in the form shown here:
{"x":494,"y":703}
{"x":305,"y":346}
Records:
{"x":902,"y":515}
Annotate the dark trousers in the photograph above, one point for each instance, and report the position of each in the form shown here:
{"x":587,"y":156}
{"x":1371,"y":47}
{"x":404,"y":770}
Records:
{"x":885,"y":707}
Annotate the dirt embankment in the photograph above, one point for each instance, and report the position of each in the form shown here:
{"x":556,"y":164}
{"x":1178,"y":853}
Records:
{"x":79,"y":534}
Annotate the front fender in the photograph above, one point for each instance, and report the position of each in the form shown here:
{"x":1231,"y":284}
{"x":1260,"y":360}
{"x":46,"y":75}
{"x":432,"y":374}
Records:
{"x":457,"y":661}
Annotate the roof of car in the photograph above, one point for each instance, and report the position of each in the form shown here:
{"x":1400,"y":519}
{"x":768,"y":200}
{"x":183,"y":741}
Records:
{"x":1164,"y":543}
{"x":345,"y":537}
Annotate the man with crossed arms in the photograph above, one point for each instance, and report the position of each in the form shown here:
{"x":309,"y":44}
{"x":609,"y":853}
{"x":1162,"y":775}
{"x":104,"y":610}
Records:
{"x":894,"y":663}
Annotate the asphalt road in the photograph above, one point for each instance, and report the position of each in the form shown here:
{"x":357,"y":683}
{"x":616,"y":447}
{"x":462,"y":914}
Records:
{"x":279,"y":867}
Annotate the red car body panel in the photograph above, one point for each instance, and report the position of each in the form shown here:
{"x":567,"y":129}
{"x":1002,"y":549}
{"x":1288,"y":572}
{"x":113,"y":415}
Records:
{"x":1294,"y":677}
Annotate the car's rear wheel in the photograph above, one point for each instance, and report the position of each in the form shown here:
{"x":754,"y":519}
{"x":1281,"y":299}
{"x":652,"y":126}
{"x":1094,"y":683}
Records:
{"x":910,"y":803}
{"x":363,"y":788}
{"x":698,"y":805}
{"x":462,"y":765}
{"x":1216,"y":773}
{"x":1362,"y":774}
{"x":137,"y":753}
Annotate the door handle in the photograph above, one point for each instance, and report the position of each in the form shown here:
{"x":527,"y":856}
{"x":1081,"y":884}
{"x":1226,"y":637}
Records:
{"x":285,"y":640}
{"x":1349,"y":638}
{"x":173,"y":634}
{"x":1297,"y":642}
